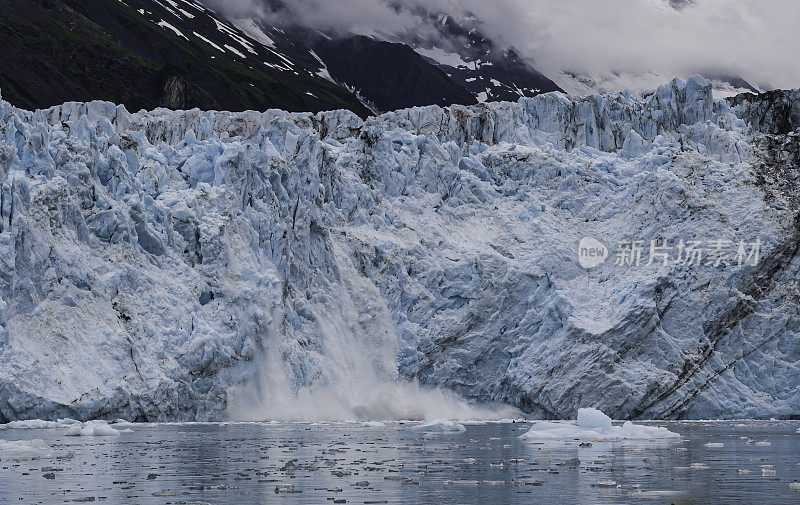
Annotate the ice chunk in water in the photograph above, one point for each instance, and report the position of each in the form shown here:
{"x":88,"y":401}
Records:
{"x":433,"y":424}
{"x":38,"y":424}
{"x":373,"y":424}
{"x":593,"y":425}
{"x":25,"y":449}
{"x":593,"y":419}
{"x":91,"y":429}
{"x":32,"y":424}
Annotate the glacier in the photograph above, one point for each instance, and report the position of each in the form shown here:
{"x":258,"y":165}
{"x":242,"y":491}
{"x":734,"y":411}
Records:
{"x":189,"y":265}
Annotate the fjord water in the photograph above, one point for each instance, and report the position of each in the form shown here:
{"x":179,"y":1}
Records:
{"x":397,"y":463}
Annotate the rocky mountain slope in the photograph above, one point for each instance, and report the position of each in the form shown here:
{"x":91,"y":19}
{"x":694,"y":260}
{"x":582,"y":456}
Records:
{"x":488,"y":69}
{"x":387,"y":75}
{"x":153,"y":264}
{"x":146,"y":54}
{"x":443,"y":61}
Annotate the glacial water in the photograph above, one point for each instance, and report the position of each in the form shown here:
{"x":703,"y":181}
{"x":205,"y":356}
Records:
{"x":397,"y":463}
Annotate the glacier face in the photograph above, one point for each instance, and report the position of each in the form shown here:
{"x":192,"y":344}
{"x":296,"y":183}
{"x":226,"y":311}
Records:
{"x":152,"y":264}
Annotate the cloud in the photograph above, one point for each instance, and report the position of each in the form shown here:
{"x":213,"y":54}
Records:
{"x":757,"y":39}
{"x":360,"y":16}
{"x":754,"y":38}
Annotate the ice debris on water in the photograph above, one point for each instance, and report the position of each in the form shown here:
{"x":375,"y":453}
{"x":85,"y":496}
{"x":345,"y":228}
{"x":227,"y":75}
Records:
{"x":286,"y":488}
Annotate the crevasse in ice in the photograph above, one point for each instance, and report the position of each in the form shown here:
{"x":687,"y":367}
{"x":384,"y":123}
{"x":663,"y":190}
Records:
{"x":153,"y":264}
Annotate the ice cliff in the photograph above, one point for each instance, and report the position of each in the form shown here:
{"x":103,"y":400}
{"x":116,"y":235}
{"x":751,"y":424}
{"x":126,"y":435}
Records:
{"x":154,"y":263}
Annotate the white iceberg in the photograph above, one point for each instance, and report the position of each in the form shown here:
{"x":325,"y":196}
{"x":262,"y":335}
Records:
{"x":593,"y":419}
{"x":25,"y":449}
{"x":91,"y":429}
{"x":594,"y":426}
{"x":37,"y":424}
{"x":435,"y":425}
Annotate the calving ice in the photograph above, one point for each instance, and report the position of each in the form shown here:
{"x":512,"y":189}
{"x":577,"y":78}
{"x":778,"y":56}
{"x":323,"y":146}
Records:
{"x":188,"y":265}
{"x":393,"y":251}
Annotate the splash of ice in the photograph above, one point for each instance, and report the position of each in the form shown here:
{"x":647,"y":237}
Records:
{"x":358,"y":362}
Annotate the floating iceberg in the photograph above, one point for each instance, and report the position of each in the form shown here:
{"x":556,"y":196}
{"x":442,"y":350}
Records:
{"x":436,"y":425}
{"x":373,"y":424}
{"x":91,"y":429}
{"x":31,"y":424}
{"x":594,"y":426}
{"x":25,"y":449}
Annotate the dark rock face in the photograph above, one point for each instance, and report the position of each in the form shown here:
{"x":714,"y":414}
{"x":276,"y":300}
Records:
{"x":774,"y":112}
{"x":74,"y":50}
{"x":391,"y":76}
{"x":506,"y":78}
{"x":147,"y":54}
{"x":175,"y":91}
{"x":441,"y":62}
{"x":487,"y":70}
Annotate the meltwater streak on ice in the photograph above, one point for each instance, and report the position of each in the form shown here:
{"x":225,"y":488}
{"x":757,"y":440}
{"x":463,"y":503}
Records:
{"x":357,"y":377}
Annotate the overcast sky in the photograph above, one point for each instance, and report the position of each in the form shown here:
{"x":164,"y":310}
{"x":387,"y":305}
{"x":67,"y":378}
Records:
{"x":757,"y":39}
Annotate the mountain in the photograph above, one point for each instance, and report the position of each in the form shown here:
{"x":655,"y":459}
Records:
{"x":454,"y":62}
{"x":148,"y":53}
{"x":470,"y":57}
{"x":643,"y":82}
{"x":458,"y":46}
{"x":385,"y":75}
{"x":176,"y":265}
{"x":180,"y":54}
{"x":395,"y":75}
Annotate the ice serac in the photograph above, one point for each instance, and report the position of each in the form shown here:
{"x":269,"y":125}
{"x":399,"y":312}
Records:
{"x":152,"y":264}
